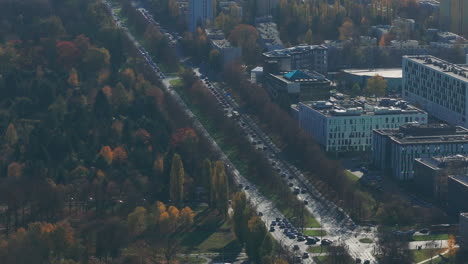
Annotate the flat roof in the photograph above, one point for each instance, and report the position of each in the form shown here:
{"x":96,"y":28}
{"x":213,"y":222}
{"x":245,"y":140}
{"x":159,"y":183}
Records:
{"x":455,"y":70}
{"x":462,"y":179}
{"x":386,"y":72}
{"x":460,"y":135}
{"x":436,"y":162}
{"x":359,"y":107}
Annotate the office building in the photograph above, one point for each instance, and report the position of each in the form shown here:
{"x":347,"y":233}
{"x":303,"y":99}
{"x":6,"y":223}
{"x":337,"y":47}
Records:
{"x":463,"y":231}
{"x":228,"y":52}
{"x":200,"y":14}
{"x":453,"y":16}
{"x":394,"y":150}
{"x":457,"y":193}
{"x":346,"y":125}
{"x":393,"y":76}
{"x":297,"y":86}
{"x":439,"y":87}
{"x":266,"y":7}
{"x":269,"y":37}
{"x":308,"y":57}
{"x":431,"y":173}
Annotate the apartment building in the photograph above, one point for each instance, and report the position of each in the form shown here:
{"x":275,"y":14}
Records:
{"x":438,"y":86}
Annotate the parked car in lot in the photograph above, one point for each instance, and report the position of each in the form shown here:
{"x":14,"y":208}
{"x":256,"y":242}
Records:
{"x":305,"y":255}
{"x":295,"y":247}
{"x":326,"y":242}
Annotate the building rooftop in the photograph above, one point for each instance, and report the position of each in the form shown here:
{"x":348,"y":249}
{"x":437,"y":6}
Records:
{"x":414,"y":133}
{"x":462,"y":179}
{"x":294,"y":50}
{"x":301,"y":76}
{"x":442,"y":162}
{"x":457,"y":71}
{"x":386,"y":73}
{"x":362,"y":107}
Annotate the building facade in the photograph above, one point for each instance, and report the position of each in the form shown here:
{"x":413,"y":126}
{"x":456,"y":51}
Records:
{"x":341,"y":126}
{"x":463,"y":231}
{"x":394,"y":150}
{"x":431,"y":174}
{"x":228,"y":52}
{"x":439,"y":87}
{"x":457,"y":194}
{"x":200,"y":13}
{"x":266,"y":7}
{"x":454,"y":16}
{"x":308,"y":57}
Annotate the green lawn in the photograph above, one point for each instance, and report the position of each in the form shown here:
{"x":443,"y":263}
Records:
{"x":423,"y":254}
{"x":316,"y":233}
{"x":351,"y":176}
{"x":431,"y":237}
{"x":311,"y":221}
{"x":317,"y":249}
{"x":176,"y":83}
{"x":365,"y":240}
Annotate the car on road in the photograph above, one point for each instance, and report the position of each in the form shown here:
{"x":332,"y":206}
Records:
{"x":273,"y":223}
{"x":303,"y":191}
{"x":366,"y":261}
{"x":247,"y":187}
{"x":305,"y":255}
{"x":306,"y":202}
{"x":272,"y":229}
{"x":301,"y":239}
{"x":326,"y":242}
{"x":296,"y":190}
{"x":291,"y":184}
{"x":295,"y":247}
{"x":241,"y":185}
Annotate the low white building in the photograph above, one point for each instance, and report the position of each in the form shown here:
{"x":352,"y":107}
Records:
{"x":341,"y":125}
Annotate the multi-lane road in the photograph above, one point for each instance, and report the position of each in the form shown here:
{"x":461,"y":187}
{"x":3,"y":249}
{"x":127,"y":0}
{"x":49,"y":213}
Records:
{"x":339,"y":226}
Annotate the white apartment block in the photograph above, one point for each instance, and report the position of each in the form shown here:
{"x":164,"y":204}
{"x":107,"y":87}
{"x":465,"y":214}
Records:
{"x":437,"y":86}
{"x":341,"y":125}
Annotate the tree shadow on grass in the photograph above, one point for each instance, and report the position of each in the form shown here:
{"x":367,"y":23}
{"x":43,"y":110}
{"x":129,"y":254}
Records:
{"x":229,"y":252}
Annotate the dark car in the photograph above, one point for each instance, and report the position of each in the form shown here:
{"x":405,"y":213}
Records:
{"x":305,"y":255}
{"x":295,"y":247}
{"x":326,"y":242}
{"x":300,"y":238}
{"x":277,"y":219}
{"x":241,"y":185}
{"x":306,"y":202}
{"x":366,"y":261}
{"x":247,"y":187}
{"x":303,"y":191}
{"x":290,"y":184}
{"x":273,"y":223}
{"x":272,"y":229}
{"x":358,"y":260}
{"x":291,"y":177}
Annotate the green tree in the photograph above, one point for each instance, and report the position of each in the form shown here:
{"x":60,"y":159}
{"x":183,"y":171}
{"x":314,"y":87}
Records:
{"x":205,"y":178}
{"x":376,"y":85}
{"x":136,"y":220}
{"x":11,"y":137}
{"x":255,"y":238}
{"x":309,"y":38}
{"x":239,"y":204}
{"x":177,"y":179}
{"x":220,"y":188}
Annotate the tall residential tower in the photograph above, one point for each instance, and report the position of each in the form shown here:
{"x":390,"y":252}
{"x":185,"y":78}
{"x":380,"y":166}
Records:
{"x":201,"y":12}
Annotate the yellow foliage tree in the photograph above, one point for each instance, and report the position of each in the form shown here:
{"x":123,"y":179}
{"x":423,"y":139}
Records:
{"x":11,"y":137}
{"x":186,"y":216}
{"x":73,"y":78}
{"x":107,"y":154}
{"x":451,"y":245}
{"x":15,"y":170}
{"x":120,"y":155}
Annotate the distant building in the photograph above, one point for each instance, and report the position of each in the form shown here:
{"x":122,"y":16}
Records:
{"x":403,"y":27}
{"x":256,"y":75}
{"x":380,"y":30}
{"x":200,"y":13}
{"x":430,"y":174}
{"x":346,"y":125}
{"x":298,"y":85}
{"x":457,"y":193}
{"x":309,"y":57}
{"x":394,"y":150}
{"x":463,"y":231}
{"x":439,"y":87}
{"x":228,"y":6}
{"x":404,"y":44}
{"x":266,"y":7}
{"x":268,"y":34}
{"x":453,"y":16}
{"x":228,"y":52}
{"x":360,"y":76}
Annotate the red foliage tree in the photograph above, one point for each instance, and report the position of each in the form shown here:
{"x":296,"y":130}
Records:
{"x":68,"y":54}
